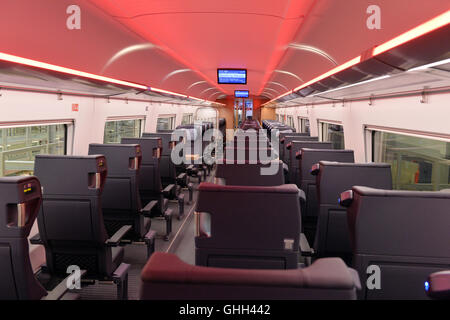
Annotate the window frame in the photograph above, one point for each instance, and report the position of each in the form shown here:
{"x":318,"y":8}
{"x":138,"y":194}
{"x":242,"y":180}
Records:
{"x":321,"y":122}
{"x":68,"y":128}
{"x":300,"y":120}
{"x":370,"y":132}
{"x":173,"y":118}
{"x":191,"y":118}
{"x":141,"y":120}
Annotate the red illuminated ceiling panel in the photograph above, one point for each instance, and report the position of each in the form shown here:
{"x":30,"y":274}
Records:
{"x":205,"y":35}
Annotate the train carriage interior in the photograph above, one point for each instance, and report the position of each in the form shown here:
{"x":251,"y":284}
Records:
{"x":225,"y":150}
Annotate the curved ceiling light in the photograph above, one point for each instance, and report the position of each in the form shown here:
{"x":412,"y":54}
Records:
{"x":305,"y":47}
{"x":276,"y":91}
{"x":195,"y":83}
{"x":204,"y":91}
{"x":174,"y":73}
{"x":289,"y":74}
{"x":278,"y":84}
{"x":125,"y":51}
{"x":265,"y":94}
{"x":222,"y":96}
{"x":218,"y":92}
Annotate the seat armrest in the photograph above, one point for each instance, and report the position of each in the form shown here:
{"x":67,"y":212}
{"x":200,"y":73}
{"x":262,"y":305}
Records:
{"x":315,"y":169}
{"x":114,"y":241}
{"x":289,"y":146}
{"x":356,"y":279}
{"x":302,"y":195}
{"x":305,"y":249}
{"x":181,"y":176}
{"x":58,"y":292}
{"x":298,"y":154}
{"x":168,"y":190}
{"x":149,"y":207}
{"x":36,"y":239}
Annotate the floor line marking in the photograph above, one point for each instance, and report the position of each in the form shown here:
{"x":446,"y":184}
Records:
{"x":182,"y":226}
{"x":185,"y":219}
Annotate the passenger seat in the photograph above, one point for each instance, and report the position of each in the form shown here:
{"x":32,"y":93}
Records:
{"x":71,"y":225}
{"x":403,"y":233}
{"x":332,"y":178}
{"x":20,"y":202}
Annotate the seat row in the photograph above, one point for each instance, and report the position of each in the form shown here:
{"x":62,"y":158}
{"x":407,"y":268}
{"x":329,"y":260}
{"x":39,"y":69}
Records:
{"x":87,"y":209}
{"x":347,"y":210}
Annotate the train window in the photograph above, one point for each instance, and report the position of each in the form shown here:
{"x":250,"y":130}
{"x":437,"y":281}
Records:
{"x":165,"y":123}
{"x":290,"y":121}
{"x":417,"y":163}
{"x":188,"y":118}
{"x":20,"y":145}
{"x":303,"y":125}
{"x":331,"y":132}
{"x":115,"y":130}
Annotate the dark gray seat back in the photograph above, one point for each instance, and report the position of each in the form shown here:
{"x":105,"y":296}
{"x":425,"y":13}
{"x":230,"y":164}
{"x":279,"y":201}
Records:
{"x":294,"y":163}
{"x":71,"y":223}
{"x":232,"y":173}
{"x":265,"y":223}
{"x":167,"y":167}
{"x":332,"y":235}
{"x":20,"y":201}
{"x":404,"y":233}
{"x":281,"y":138}
{"x":309,"y":157}
{"x":150,"y":186}
{"x":121,"y":203}
{"x":287,"y":141}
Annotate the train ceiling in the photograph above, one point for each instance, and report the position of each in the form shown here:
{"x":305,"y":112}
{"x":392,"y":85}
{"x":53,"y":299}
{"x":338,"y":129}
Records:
{"x":178,"y":45}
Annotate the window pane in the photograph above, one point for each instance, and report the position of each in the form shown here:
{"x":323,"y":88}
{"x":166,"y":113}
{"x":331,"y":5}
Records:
{"x":166,"y":123}
{"x":290,"y":121}
{"x":19,"y":147}
{"x":187,"y":118}
{"x":333,"y":133}
{"x":303,"y":125}
{"x":417,"y":163}
{"x":116,"y":130}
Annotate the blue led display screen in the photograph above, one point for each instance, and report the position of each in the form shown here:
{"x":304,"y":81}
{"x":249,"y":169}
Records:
{"x":241,"y":93}
{"x":232,"y":76}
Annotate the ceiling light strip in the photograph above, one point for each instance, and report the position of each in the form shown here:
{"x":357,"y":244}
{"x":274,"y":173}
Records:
{"x":431,"y":25}
{"x":414,"y":33}
{"x":52,"y":67}
{"x":47,"y":66}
